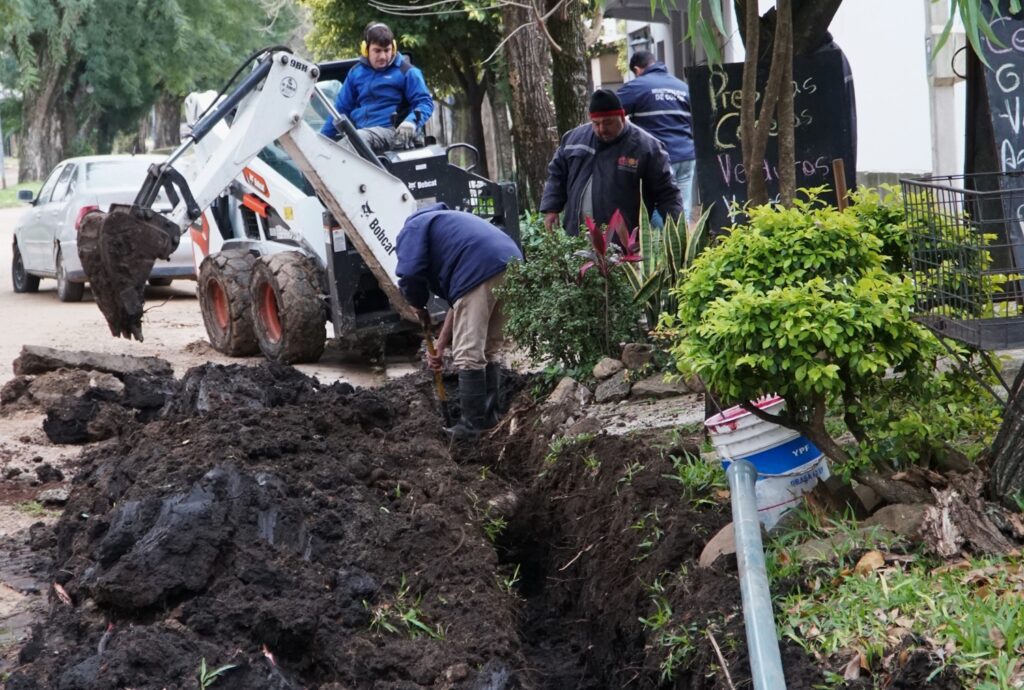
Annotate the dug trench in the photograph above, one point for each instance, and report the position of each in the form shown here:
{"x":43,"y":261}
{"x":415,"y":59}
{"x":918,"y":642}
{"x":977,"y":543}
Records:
{"x":305,"y":536}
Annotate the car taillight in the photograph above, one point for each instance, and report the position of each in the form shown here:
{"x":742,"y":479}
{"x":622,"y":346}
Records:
{"x":81,"y":214}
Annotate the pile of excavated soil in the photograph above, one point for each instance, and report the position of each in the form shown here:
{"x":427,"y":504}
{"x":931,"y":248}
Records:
{"x":315,"y":536}
{"x":280,"y":527}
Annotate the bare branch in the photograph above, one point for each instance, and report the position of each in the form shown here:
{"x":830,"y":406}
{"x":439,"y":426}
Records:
{"x":595,"y":26}
{"x":542,"y":23}
{"x":450,"y":7}
{"x":505,"y":40}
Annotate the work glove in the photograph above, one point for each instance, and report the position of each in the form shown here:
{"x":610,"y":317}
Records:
{"x":405,"y":134}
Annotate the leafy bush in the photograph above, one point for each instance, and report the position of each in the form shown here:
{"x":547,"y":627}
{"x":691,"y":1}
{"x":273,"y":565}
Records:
{"x":555,"y":313}
{"x":799,"y":303}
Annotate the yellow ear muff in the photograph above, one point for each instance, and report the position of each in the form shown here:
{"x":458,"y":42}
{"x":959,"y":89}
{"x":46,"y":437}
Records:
{"x":364,"y":49}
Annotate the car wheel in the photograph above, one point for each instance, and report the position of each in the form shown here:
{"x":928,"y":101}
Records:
{"x":288,"y":314}
{"x":226,"y":303}
{"x":22,"y":280}
{"x":160,"y":282}
{"x":67,"y":291}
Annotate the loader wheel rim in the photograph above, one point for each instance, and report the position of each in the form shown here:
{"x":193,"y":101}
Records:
{"x":219,"y":304}
{"x":269,"y":313}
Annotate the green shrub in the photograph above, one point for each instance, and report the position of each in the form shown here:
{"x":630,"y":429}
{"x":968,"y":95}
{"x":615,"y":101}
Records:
{"x":553,"y":312}
{"x":798,"y":303}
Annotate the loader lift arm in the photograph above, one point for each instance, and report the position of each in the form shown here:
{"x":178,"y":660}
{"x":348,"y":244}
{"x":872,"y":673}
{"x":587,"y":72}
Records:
{"x":118,"y":248}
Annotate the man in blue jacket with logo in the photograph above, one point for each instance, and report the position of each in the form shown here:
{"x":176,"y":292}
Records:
{"x":382,"y":84}
{"x":660,"y":103}
{"x":461,"y":258}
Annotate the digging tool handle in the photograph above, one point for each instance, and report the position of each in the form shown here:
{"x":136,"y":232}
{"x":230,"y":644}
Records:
{"x":437,"y":374}
{"x":438,"y":382}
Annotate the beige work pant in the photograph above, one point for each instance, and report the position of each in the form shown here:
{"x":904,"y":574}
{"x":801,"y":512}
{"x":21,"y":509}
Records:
{"x":478,"y":326}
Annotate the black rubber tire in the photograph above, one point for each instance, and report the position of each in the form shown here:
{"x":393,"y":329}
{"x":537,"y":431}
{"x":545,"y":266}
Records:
{"x":67,"y":291}
{"x":225,"y":301}
{"x":288,"y":313}
{"x":20,"y":278}
{"x":160,"y":282}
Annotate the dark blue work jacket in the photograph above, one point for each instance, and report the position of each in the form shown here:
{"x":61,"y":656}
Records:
{"x":449,"y":253}
{"x":660,"y":104}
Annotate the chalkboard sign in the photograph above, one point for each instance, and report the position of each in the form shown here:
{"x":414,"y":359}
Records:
{"x":1004,"y":91}
{"x":824,"y":130}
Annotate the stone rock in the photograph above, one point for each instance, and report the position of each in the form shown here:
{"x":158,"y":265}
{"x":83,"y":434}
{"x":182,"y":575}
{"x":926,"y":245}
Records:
{"x":722,"y":544}
{"x":48,"y":473}
{"x":12,"y":472}
{"x":636,"y":355}
{"x":863,"y":537}
{"x":614,"y":389}
{"x":904,"y":519}
{"x":51,"y":387}
{"x":587,"y":425}
{"x":868,"y":497}
{"x":607,"y":367}
{"x":656,"y":388}
{"x":58,"y":496}
{"x":569,"y":390}
{"x":14,"y":389}
{"x":35,"y":359}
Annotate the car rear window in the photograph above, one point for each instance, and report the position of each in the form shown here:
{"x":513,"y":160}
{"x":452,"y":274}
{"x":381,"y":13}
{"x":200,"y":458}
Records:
{"x":126,"y":173}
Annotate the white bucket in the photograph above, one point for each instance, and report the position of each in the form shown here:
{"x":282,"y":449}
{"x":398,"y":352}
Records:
{"x":788,"y":465}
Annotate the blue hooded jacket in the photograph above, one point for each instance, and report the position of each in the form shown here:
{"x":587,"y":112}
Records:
{"x":449,"y":253}
{"x":369,"y":96}
{"x":660,"y":104}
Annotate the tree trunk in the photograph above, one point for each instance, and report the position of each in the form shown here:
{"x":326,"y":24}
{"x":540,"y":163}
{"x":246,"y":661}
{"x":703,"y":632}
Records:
{"x":142,"y":133}
{"x":787,"y":118}
{"x":166,"y":130}
{"x":570,"y":66}
{"x":475,"y":93}
{"x":42,"y":136}
{"x":497,"y":95}
{"x":533,"y":116}
{"x":1006,"y":478}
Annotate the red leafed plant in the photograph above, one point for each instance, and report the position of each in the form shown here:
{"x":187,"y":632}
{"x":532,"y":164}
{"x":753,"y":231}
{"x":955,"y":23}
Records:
{"x":605,"y":254}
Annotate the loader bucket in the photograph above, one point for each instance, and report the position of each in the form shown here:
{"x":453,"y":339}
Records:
{"x":117,"y":250}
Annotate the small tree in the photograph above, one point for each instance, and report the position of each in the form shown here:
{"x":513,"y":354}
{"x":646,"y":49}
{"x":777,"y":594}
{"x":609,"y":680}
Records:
{"x":798,"y":303}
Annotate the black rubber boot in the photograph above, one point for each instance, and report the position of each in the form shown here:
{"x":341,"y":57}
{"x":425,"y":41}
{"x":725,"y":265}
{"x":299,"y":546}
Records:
{"x":473,"y":398}
{"x":493,"y":375}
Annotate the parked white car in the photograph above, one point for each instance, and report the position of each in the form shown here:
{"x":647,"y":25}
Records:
{"x":46,"y":238}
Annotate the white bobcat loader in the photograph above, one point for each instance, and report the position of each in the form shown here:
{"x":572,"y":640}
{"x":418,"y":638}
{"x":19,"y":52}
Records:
{"x":293,"y":226}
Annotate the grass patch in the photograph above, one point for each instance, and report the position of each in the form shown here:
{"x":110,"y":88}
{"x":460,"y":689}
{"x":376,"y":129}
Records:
{"x":35,"y":509}
{"x":967,"y":614}
{"x":9,"y":196}
{"x":403,"y":616}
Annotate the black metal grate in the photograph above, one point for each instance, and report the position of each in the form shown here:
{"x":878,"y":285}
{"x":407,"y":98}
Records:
{"x":967,"y":256}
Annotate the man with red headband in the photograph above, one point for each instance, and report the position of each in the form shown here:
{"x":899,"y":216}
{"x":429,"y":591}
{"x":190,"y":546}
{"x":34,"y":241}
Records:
{"x":607,"y":166}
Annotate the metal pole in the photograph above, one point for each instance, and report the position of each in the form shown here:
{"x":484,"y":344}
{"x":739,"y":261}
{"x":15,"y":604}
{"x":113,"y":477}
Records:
{"x":762,"y":639}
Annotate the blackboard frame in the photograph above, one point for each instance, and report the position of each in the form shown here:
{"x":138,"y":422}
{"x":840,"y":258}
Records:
{"x":825,"y":129}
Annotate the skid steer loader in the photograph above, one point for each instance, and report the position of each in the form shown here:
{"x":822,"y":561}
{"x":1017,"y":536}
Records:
{"x":290,"y":228}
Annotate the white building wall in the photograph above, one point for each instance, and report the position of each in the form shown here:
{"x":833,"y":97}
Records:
{"x":885,"y":42}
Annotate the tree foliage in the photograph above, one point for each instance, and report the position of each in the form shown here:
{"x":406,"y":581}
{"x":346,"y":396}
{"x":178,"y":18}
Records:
{"x":558,"y":314}
{"x":97,"y":65}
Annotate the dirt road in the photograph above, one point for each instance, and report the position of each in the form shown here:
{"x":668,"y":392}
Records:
{"x":173,"y":327}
